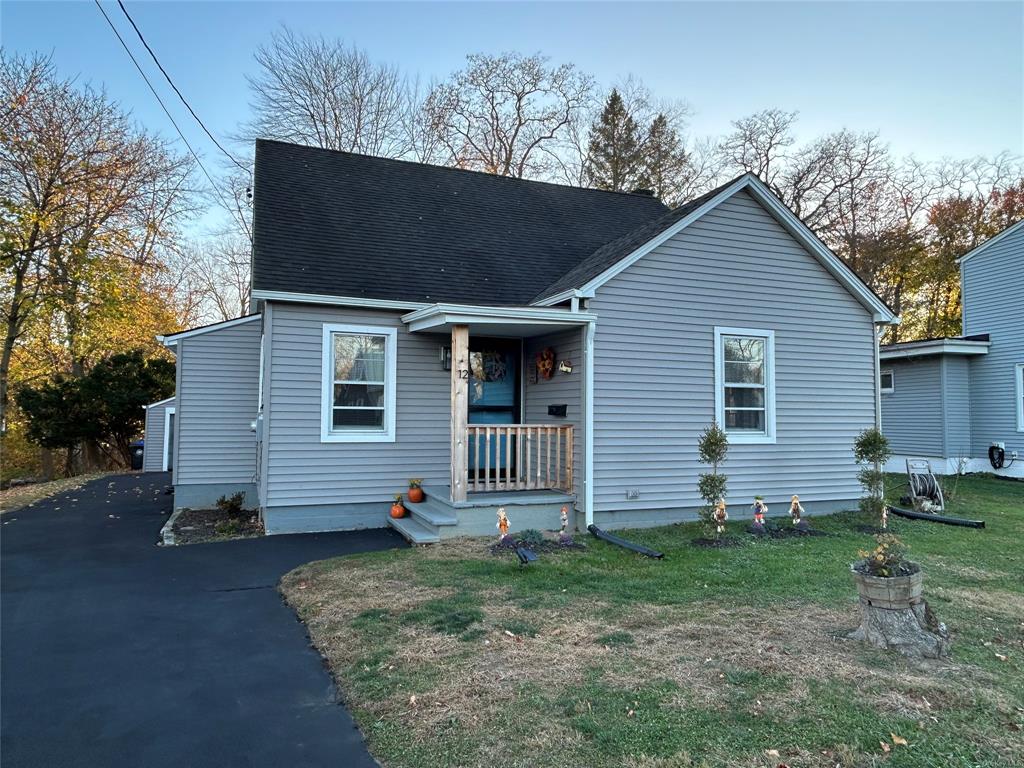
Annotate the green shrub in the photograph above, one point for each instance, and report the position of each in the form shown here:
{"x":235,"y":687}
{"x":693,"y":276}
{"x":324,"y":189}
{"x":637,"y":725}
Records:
{"x":231,"y":505}
{"x":871,"y":450}
{"x":712,"y":448}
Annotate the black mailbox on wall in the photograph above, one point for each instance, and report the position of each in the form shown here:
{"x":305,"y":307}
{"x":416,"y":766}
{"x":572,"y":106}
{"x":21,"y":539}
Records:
{"x":557,"y":410}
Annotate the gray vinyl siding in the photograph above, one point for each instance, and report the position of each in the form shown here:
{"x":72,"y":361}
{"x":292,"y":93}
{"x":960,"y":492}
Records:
{"x":560,"y":389}
{"x":654,"y":367}
{"x":302,"y":471}
{"x":153,"y":450}
{"x":993,"y":284}
{"x":217,"y":395}
{"x":956,"y":406}
{"x":912,"y":414}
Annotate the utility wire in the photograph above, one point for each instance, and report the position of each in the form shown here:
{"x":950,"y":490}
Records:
{"x":180,"y":96}
{"x":163,"y":106}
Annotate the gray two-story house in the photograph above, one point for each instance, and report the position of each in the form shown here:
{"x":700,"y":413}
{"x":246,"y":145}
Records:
{"x":960,"y":401}
{"x":520,"y":344}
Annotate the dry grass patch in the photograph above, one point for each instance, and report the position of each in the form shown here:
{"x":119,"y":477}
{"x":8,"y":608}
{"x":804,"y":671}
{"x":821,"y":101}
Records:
{"x":21,"y":496}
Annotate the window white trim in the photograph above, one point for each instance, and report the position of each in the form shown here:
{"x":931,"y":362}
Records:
{"x":327,"y":433}
{"x":892,"y":381}
{"x":739,"y":438}
{"x":1018,"y":370}
{"x":168,"y":412}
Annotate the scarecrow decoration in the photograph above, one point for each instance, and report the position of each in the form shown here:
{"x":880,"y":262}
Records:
{"x":502,"y":523}
{"x":760,"y":510}
{"x":796,"y":511}
{"x":720,"y":516}
{"x":565,"y":520}
{"x":546,"y":363}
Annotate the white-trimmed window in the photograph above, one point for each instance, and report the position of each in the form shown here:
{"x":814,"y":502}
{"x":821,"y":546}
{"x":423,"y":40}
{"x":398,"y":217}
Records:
{"x":1019,"y":370}
{"x":745,"y":384}
{"x":886,"y":381}
{"x":358,"y":400}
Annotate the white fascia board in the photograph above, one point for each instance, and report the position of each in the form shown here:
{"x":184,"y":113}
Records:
{"x":159,"y":402}
{"x":456,"y":314}
{"x":991,"y":241}
{"x":558,"y":298}
{"x":846,"y":277}
{"x":941,"y":347}
{"x":336,"y":301}
{"x":176,"y":337}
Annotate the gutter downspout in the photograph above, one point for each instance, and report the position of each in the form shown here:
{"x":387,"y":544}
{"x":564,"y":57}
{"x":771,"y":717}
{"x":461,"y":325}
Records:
{"x":588,"y":421}
{"x":879,"y":330}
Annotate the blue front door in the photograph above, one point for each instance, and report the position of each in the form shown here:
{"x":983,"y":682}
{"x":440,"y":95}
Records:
{"x":494,"y":387}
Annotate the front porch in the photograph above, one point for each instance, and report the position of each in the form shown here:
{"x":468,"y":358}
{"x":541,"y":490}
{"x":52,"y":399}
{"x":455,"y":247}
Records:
{"x":518,"y":412}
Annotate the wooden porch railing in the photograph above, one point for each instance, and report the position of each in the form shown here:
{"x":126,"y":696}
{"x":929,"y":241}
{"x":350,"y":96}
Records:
{"x":519,"y":457}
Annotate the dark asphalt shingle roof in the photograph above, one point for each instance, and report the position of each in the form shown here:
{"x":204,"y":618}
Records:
{"x":341,"y":224}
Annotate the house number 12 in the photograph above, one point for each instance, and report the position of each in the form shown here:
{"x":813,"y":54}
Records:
{"x":464,"y":374}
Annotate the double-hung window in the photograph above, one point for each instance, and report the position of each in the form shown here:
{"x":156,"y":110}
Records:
{"x":358,"y":400}
{"x":745,"y":384}
{"x":886,"y":381}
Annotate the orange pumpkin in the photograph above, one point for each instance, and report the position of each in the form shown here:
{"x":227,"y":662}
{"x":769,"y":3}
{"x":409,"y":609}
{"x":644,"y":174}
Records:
{"x":397,"y":510}
{"x":415,"y":494}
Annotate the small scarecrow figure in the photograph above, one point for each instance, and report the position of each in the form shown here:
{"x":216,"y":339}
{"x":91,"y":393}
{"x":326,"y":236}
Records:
{"x":565,"y":520}
{"x":720,"y":516}
{"x":796,"y":511}
{"x":502,"y":523}
{"x":760,"y":509}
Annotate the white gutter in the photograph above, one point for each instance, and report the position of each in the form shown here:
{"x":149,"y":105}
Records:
{"x":588,"y":421}
{"x":936,"y":347}
{"x":337,"y":301}
{"x":879,"y":330}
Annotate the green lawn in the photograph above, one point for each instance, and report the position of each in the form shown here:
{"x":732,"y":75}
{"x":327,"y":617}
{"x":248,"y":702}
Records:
{"x":450,"y":656}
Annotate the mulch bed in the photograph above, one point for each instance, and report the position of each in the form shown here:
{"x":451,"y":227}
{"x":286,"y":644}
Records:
{"x":772,"y":530}
{"x":196,"y":526}
{"x":545,"y":547}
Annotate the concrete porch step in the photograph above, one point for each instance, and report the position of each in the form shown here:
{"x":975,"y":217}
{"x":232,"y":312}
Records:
{"x":433,"y":512}
{"x":414,"y":531}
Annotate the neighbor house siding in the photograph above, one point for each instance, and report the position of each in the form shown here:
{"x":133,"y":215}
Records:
{"x":956,"y":406}
{"x":912,"y":414}
{"x":153,"y":450}
{"x":992,"y":285}
{"x":654,"y":370}
{"x":561,"y":389}
{"x":217,"y":396}
{"x":311,"y":485}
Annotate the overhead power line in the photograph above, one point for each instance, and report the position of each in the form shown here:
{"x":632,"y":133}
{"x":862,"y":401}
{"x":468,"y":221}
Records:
{"x":163,"y":106}
{"x":180,"y":95}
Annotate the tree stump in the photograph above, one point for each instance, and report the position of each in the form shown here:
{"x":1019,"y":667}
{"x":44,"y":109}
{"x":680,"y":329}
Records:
{"x":895,"y":616}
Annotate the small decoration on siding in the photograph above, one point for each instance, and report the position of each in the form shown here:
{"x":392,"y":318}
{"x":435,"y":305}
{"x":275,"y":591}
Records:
{"x":720,"y":516}
{"x":565,"y":366}
{"x":760,"y":510}
{"x":502,"y":523}
{"x":546,"y":363}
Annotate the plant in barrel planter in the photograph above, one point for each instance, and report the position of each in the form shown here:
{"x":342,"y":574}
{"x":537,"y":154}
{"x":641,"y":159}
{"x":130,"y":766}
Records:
{"x":871,"y":450}
{"x":712,"y":448}
{"x":893,"y":611}
{"x":415,"y":494}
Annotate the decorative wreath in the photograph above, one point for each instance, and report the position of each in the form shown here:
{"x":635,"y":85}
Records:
{"x":546,"y":363}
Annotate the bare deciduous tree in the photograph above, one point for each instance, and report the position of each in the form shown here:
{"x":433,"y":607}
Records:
{"x":321,"y":92}
{"x":507,"y":114}
{"x":215,"y":277}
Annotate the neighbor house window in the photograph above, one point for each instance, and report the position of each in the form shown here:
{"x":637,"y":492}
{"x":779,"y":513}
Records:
{"x":886,"y":381}
{"x":745,"y":384}
{"x":358,"y":403}
{"x":1020,"y":396}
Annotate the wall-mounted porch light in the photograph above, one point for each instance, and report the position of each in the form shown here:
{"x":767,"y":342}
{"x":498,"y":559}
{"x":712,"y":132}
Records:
{"x":446,"y":358}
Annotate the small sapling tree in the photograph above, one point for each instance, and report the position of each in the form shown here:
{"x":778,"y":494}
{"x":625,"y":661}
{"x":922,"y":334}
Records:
{"x":712,"y":448}
{"x":871,"y":450}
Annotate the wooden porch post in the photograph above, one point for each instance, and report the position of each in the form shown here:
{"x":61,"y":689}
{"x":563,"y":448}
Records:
{"x":460,"y":408}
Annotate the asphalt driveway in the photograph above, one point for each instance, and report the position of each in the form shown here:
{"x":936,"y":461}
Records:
{"x":116,"y":652}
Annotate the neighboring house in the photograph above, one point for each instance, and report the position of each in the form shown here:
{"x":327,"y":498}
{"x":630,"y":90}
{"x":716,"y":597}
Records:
{"x":956,"y":400}
{"x":521,"y":344}
{"x":158,"y":445}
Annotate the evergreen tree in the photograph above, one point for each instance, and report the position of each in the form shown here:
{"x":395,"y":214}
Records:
{"x":614,"y":153}
{"x":663,"y":161}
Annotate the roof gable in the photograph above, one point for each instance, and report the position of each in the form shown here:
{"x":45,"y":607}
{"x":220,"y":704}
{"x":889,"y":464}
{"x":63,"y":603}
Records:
{"x":338,"y":224}
{"x":1006,"y":234}
{"x":616,"y":256}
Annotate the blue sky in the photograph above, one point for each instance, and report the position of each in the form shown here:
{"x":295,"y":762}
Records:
{"x":936,"y":79}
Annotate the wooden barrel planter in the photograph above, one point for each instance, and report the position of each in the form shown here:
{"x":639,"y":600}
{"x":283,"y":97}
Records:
{"x":891,"y":593}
